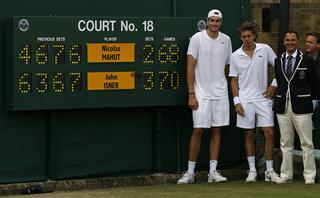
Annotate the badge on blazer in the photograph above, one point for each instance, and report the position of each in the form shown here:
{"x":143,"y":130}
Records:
{"x":302,"y":75}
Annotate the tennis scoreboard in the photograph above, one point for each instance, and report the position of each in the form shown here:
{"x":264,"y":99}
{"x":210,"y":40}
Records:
{"x":96,"y":62}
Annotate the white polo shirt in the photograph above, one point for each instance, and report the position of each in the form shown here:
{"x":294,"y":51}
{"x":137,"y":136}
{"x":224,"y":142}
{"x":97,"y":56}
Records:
{"x":212,"y":55}
{"x":252,"y":73}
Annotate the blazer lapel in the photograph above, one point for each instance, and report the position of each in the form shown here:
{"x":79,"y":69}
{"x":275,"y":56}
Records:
{"x":283,"y":62}
{"x":299,"y":58}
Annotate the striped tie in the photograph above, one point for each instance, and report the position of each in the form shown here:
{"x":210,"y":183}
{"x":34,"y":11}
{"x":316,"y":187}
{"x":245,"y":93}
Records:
{"x":289,"y":67}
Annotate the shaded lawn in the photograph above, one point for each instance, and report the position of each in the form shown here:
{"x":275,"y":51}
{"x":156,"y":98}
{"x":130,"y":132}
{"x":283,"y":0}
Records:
{"x":233,"y":189}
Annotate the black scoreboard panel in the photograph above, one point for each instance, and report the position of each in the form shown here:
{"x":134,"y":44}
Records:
{"x":96,"y":62}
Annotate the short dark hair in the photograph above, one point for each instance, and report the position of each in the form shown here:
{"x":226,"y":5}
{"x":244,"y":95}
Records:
{"x":315,"y":34}
{"x":291,"y":32}
{"x":248,"y":26}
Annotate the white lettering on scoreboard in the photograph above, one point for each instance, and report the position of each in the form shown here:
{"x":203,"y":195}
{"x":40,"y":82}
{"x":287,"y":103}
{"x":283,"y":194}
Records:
{"x":113,"y":25}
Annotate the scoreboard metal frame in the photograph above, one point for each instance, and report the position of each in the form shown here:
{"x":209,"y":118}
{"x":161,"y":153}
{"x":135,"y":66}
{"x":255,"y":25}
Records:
{"x":96,"y":62}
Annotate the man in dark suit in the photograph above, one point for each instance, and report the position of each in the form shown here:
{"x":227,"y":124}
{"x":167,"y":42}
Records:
{"x":312,"y":48}
{"x":296,"y":77}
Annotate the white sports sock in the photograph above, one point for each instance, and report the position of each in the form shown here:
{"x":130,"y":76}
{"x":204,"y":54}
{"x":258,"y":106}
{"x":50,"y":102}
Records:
{"x":191,"y":166}
{"x":252,"y":163}
{"x":269,"y":165}
{"x":213,"y":165}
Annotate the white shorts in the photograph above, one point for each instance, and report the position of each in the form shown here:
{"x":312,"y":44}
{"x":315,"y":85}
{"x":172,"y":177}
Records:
{"x":211,"y":113}
{"x":256,"y":114}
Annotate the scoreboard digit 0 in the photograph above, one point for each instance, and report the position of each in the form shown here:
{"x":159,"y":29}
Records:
{"x":96,"y":62}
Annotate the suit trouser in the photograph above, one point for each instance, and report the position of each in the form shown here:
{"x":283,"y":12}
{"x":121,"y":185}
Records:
{"x":303,"y":125}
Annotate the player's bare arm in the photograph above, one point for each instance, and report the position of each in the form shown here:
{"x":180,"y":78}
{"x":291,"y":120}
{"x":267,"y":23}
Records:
{"x":235,"y":92}
{"x":192,"y":101}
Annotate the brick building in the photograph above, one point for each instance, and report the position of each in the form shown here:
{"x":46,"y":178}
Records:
{"x":304,"y":18}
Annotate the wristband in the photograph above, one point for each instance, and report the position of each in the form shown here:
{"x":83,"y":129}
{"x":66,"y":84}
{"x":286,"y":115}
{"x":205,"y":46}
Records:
{"x":191,"y":93}
{"x":274,"y":83}
{"x":236,"y":100}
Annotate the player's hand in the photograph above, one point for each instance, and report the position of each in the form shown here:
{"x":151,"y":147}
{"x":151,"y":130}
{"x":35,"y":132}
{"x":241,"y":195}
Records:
{"x":239,"y":109}
{"x":193,"y":102}
{"x":270,"y":92}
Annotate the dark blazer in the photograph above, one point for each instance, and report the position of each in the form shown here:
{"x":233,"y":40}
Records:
{"x":317,"y":67}
{"x":302,"y":84}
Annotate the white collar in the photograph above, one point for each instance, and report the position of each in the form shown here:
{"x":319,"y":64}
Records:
{"x":293,"y":55}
